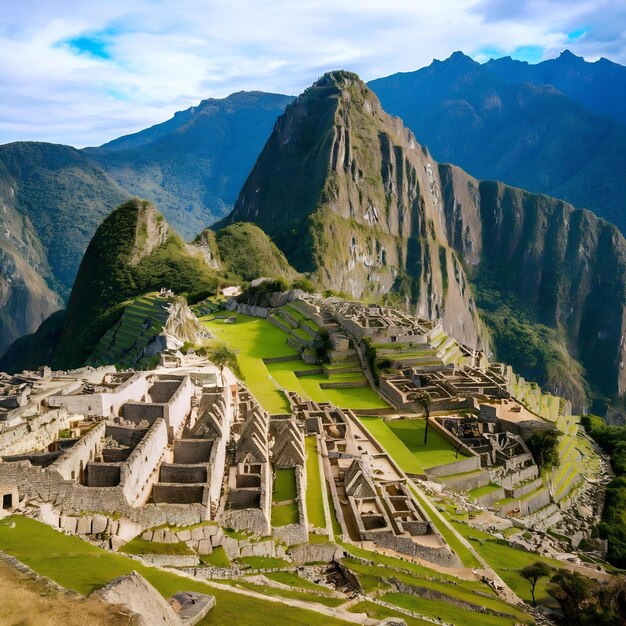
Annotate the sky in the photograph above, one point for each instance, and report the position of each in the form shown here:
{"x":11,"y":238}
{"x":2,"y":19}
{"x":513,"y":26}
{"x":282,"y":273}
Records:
{"x":83,"y":72}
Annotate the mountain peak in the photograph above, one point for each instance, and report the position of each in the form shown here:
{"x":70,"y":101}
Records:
{"x":458,"y":57}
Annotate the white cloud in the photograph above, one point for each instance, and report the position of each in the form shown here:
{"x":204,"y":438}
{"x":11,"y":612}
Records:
{"x":165,"y":55}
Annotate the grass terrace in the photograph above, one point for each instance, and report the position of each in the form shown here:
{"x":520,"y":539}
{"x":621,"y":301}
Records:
{"x":82,"y":567}
{"x":314,"y":491}
{"x":257,"y":339}
{"x":284,"y":504}
{"x":404,"y":441}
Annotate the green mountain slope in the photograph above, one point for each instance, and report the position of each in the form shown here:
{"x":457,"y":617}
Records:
{"x":134,"y":251}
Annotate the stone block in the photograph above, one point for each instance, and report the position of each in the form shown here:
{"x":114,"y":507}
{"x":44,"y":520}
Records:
{"x":231,"y":547}
{"x":68,"y":524}
{"x":147,"y":535}
{"x":127,"y":529}
{"x":209,"y":531}
{"x":197,"y":533}
{"x":247,"y":550}
{"x":192,"y":544}
{"x":113,"y":526}
{"x":99,"y":524}
{"x":83,"y":526}
{"x":204,"y":547}
{"x":158,"y":535}
{"x":218,"y":538}
{"x":184,"y":535}
{"x":116,"y":543}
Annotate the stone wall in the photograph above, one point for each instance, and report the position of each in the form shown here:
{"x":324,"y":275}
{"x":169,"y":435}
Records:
{"x":135,"y":411}
{"x":467,"y":464}
{"x":36,"y":434}
{"x":73,"y":461}
{"x":143,"y":461}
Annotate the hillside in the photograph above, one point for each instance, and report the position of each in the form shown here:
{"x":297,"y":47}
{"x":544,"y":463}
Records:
{"x":134,"y":251}
{"x":527,"y":134}
{"x":341,"y":185}
{"x":193,"y":165}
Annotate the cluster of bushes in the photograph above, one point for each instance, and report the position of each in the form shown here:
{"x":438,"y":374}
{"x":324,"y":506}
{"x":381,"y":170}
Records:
{"x":613,"y":525}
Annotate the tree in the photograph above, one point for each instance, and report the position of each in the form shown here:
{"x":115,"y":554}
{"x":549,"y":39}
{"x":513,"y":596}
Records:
{"x":533,"y":573}
{"x":422,"y":398}
{"x":221,"y":355}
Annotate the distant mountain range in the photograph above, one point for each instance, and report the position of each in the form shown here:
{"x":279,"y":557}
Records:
{"x":555,"y":128}
{"x":560,"y":132}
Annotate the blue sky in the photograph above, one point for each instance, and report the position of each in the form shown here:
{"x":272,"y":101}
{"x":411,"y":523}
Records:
{"x":83,"y":72}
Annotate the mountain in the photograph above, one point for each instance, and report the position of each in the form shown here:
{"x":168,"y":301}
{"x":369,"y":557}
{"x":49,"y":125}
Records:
{"x":600,"y":86}
{"x":528,"y":135}
{"x":348,"y":194}
{"x":53,"y":197}
{"x":132,"y":253}
{"x":193,"y":165}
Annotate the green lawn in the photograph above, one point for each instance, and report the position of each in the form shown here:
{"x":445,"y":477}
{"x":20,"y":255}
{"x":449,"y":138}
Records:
{"x":255,"y":339}
{"x":375,"y":611}
{"x":77,"y":565}
{"x":445,"y":611}
{"x":314,"y":493}
{"x":285,"y":514}
{"x":438,"y":451}
{"x":293,"y":580}
{"x":287,"y":593}
{"x":284,"y":485}
{"x":217,"y":558}
{"x":507,"y":561}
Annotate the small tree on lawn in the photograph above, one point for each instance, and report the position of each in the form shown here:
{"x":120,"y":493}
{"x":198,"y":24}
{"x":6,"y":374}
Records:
{"x":533,"y":573}
{"x":422,"y":399}
{"x":221,"y":355}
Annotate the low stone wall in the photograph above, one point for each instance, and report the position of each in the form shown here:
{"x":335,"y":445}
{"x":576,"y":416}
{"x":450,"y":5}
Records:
{"x":489,"y":498}
{"x":529,"y":505}
{"x":171,"y":560}
{"x":348,"y":384}
{"x":522,"y":490}
{"x":468,"y":464}
{"x":509,"y":481}
{"x":73,"y":461}
{"x":467,"y":483}
{"x":281,"y":359}
{"x":35,"y":434}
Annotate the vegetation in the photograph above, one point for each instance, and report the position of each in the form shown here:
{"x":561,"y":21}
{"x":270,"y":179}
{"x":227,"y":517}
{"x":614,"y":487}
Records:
{"x":586,"y":602}
{"x":533,"y":574}
{"x":142,"y":546}
{"x":83,"y":567}
{"x":221,"y":355}
{"x":544,"y":446}
{"x":613,"y":525}
{"x":314,"y":493}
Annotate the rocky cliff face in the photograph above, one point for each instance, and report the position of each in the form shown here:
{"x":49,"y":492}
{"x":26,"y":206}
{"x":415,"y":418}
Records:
{"x":564,"y":268}
{"x":348,"y":193}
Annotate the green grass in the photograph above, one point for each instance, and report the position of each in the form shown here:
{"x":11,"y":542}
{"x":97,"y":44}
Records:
{"x":284,"y":485}
{"x":314,"y":492}
{"x":287,"y":593}
{"x":262,"y":562}
{"x":445,"y":611}
{"x":256,"y":339}
{"x":82,"y":567}
{"x":375,"y":611}
{"x":482,"y":491}
{"x":141,"y":546}
{"x":459,"y":589}
{"x":285,"y":514}
{"x":217,"y":558}
{"x":293,"y":580}
{"x":438,"y":451}
{"x":508,"y":561}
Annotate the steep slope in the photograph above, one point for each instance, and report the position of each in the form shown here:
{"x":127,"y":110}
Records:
{"x":193,"y":165}
{"x":347,"y":193}
{"x":246,"y":251}
{"x":134,"y":251}
{"x":51,"y":201}
{"x":527,"y":135}
{"x":600,"y":86}
{"x":551,"y":281}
